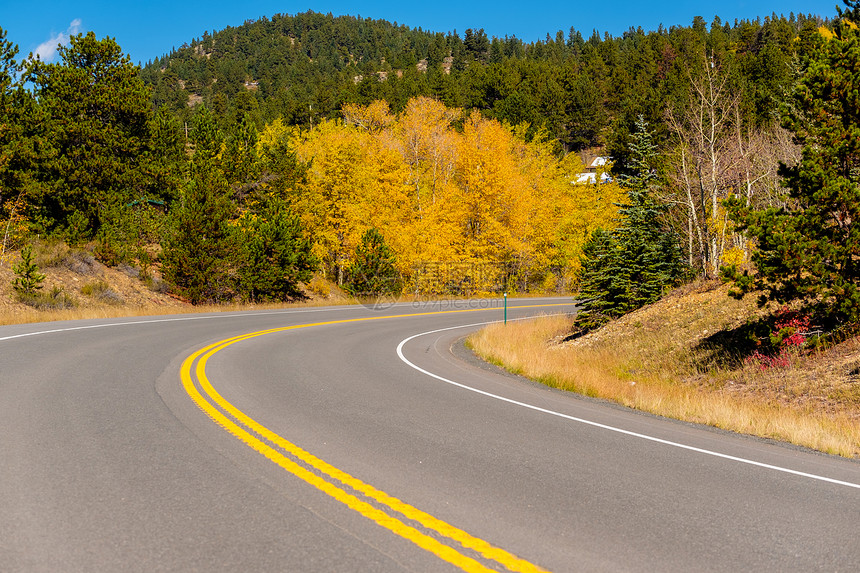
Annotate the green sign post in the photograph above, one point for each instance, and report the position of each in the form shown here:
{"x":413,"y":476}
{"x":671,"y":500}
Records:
{"x":506,"y":308}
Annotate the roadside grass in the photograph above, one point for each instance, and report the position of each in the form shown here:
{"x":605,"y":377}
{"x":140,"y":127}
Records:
{"x":117,"y":311}
{"x":101,"y":291}
{"x":658,"y":360}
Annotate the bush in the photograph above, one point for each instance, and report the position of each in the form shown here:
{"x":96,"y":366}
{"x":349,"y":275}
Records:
{"x":56,"y":254}
{"x":55,"y":299}
{"x":275,"y":255}
{"x":101,"y":290}
{"x":319,"y":286}
{"x":156,"y":284}
{"x":373,"y":271}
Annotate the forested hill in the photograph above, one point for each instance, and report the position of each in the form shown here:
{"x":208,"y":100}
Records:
{"x":583,"y":90}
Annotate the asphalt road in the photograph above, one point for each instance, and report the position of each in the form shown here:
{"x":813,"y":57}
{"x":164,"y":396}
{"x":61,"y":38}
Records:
{"x":374,"y":445}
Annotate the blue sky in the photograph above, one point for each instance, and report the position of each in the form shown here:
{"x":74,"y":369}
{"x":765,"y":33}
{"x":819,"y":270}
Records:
{"x":146,"y":30}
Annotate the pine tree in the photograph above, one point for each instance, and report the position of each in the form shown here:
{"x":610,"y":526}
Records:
{"x":28,"y":279}
{"x":373,"y":271}
{"x":97,"y":121}
{"x":599,"y":276}
{"x":631,"y":266}
{"x":809,"y":250}
{"x":650,"y":253}
{"x":19,"y":143}
{"x":276,"y":256}
{"x":200,"y":257}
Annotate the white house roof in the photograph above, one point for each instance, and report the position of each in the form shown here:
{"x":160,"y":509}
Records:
{"x":599,"y":162}
{"x":591,"y":178}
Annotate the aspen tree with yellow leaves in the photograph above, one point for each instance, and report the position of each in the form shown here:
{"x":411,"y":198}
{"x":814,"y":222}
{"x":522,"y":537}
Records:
{"x":353,"y":183}
{"x":466,"y":204}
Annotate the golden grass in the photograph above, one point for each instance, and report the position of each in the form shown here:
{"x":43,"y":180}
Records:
{"x":625,"y":369}
{"x":20,"y":314}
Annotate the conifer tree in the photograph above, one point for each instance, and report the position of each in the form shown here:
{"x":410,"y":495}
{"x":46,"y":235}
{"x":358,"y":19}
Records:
{"x":28,"y":279}
{"x":19,"y":123}
{"x":373,"y":271}
{"x":651,"y":254}
{"x":631,"y":266}
{"x":276,"y":255}
{"x":200,"y":256}
{"x":809,"y":250}
{"x":97,"y":122}
{"x":599,"y":279}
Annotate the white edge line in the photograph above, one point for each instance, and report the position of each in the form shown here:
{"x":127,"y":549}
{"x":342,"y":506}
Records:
{"x":175,"y":319}
{"x":440,"y":303}
{"x":218,"y":315}
{"x":604,"y":426}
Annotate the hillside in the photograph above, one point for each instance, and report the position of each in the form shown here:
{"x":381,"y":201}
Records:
{"x":581,"y":90}
{"x":81,"y":287}
{"x":84,"y":287}
{"x":709,"y":334}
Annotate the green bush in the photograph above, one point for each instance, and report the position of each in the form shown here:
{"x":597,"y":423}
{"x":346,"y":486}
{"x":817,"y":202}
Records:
{"x":55,"y":299}
{"x":57,"y":254}
{"x":28,"y":279}
{"x":275,"y":255}
{"x":373,"y":271}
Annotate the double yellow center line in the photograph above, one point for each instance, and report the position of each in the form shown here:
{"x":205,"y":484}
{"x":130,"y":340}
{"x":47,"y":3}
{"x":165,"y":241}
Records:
{"x":335,"y":482}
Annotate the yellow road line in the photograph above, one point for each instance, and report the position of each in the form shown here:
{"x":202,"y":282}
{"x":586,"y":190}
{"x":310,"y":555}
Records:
{"x":445,"y":552}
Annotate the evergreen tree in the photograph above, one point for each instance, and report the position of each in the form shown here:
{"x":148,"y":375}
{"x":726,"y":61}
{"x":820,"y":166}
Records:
{"x":98,"y":114}
{"x":28,"y":279}
{"x":241,"y":163}
{"x":599,"y":278}
{"x":205,"y":135}
{"x":633,"y":265}
{"x":19,"y":141}
{"x":809,"y":250}
{"x":200,"y":257}
{"x":373,"y":270}
{"x":650,"y":252}
{"x":276,"y":256}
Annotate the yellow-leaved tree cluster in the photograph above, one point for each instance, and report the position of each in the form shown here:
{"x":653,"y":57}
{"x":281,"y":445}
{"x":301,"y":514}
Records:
{"x":466,"y":203}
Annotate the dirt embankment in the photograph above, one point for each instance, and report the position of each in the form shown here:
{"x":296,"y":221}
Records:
{"x":707,"y":338}
{"x":83,"y":287}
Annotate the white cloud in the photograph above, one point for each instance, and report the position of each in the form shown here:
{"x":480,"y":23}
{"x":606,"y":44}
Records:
{"x":47,"y":50}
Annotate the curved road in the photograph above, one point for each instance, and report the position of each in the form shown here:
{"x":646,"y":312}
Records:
{"x":353,"y":439}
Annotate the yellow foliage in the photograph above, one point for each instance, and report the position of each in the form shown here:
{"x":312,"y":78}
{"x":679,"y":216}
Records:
{"x":464,"y":211}
{"x":373,"y":117}
{"x":353,"y":183}
{"x":734,"y":256}
{"x":14,"y":228}
{"x":272,"y":135}
{"x":319,"y":286}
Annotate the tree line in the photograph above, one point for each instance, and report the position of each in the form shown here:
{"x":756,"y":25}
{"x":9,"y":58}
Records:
{"x":248,"y":159}
{"x":581,"y":90}
{"x":465,"y":203}
{"x":711,"y":94}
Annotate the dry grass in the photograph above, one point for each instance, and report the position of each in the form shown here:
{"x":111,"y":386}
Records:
{"x":112,"y":309}
{"x":658,"y":360}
